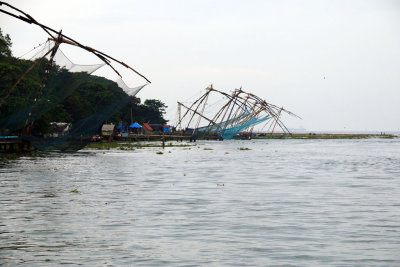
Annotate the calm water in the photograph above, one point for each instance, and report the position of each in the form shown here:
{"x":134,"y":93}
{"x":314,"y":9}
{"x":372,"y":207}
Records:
{"x":284,"y":202}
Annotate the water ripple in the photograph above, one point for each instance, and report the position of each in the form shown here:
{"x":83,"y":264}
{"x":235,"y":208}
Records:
{"x":283,"y":202}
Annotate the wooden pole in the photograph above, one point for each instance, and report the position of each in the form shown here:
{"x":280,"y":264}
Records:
{"x":196,"y":112}
{"x":163,"y":139}
{"x":65,"y":39}
{"x":131,"y":115}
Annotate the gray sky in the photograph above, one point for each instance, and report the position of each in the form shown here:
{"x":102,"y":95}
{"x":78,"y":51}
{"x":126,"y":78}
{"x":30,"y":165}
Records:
{"x":280,"y":50}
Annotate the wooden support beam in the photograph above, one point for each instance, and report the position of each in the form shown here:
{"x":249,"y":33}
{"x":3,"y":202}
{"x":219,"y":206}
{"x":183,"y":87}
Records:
{"x":201,"y":115}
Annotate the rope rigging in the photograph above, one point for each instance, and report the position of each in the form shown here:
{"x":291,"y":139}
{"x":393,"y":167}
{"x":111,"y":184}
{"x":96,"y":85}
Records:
{"x":238,"y":111}
{"x":62,"y":38}
{"x":52,"y":79}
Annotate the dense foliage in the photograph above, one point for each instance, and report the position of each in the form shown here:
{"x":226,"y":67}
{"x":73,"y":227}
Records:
{"x":66,"y":97}
{"x":5,"y":44}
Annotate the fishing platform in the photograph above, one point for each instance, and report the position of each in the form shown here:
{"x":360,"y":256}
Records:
{"x":14,"y":144}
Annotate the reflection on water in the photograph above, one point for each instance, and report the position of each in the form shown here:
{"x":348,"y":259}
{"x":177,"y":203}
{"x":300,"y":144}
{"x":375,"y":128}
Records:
{"x":285,"y":202}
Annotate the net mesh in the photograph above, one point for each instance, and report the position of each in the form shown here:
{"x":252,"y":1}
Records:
{"x":229,"y":129}
{"x":129,"y":90}
{"x":67,"y":85}
{"x":64,"y":62}
{"x":234,"y":114}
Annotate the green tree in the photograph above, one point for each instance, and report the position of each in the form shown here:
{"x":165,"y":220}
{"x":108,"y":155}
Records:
{"x":67,"y":97}
{"x":5,"y":45}
{"x":156,"y":105}
{"x":155,"y":110}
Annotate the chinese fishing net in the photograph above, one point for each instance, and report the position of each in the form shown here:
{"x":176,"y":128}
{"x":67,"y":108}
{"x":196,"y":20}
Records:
{"x":228,"y":116}
{"x":44,"y":89}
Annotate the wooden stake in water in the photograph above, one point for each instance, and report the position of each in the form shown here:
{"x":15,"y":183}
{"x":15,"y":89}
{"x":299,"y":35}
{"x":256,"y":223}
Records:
{"x":163,"y":139}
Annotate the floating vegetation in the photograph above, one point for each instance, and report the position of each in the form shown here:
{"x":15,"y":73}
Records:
{"x":389,"y":136}
{"x":244,"y":148}
{"x":9,"y":157}
{"x":125,"y":148}
{"x":14,"y":156}
{"x":129,"y":146}
{"x":159,"y":153}
{"x":207,"y":148}
{"x":75,"y":191}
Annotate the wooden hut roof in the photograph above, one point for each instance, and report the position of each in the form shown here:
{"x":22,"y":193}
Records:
{"x":107,"y":127}
{"x":147,"y":126}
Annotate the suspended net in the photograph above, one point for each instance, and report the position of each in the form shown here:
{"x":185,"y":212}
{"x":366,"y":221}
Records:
{"x":129,"y":90}
{"x":228,"y":117}
{"x":225,"y":129}
{"x":46,"y":89}
{"x":82,"y":131}
{"x":64,"y":62}
{"x":53,"y":84}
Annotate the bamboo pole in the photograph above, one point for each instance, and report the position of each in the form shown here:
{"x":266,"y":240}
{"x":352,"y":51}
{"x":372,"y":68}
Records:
{"x":65,"y":39}
{"x":201,"y":115}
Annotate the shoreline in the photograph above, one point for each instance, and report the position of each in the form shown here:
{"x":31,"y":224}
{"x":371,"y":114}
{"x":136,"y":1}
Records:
{"x":321,"y":136}
{"x":133,"y":145}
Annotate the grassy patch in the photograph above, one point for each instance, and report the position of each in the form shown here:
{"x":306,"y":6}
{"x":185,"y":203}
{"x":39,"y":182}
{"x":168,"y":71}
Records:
{"x":9,"y":156}
{"x":388,"y":136}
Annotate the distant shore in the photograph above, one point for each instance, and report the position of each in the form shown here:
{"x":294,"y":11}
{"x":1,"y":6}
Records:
{"x":320,"y":136}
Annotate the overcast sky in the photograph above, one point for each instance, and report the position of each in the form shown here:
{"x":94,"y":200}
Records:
{"x":334,"y":63}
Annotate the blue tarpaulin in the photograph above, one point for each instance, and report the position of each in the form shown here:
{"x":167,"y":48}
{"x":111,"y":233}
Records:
{"x":8,"y":137}
{"x":166,"y":129}
{"x":135,"y":125}
{"x":122,"y":128}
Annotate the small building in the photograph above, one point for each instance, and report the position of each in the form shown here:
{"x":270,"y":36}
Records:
{"x":122,"y":130}
{"x":135,"y":128}
{"x":156,"y":127}
{"x":58,"y":129}
{"x":107,"y":130}
{"x":167,"y":129}
{"x":146,"y":129}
